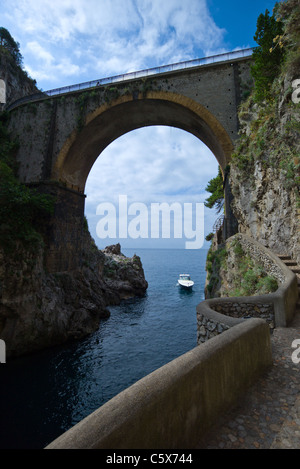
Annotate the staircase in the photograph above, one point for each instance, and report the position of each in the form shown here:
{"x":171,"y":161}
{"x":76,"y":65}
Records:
{"x":294,"y":267}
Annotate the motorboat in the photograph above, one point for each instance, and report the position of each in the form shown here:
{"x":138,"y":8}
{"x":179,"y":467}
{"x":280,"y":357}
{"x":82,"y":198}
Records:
{"x":185,"y":281}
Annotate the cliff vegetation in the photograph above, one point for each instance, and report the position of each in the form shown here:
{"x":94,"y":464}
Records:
{"x":18,"y":82}
{"x":232,"y":271}
{"x":22,"y":209}
{"x":265,"y":166}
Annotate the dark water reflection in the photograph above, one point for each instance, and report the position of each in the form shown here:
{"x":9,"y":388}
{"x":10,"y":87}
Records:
{"x":45,"y":394}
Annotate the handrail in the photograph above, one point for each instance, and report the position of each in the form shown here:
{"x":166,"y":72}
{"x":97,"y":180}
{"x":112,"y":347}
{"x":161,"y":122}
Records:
{"x":133,"y":75}
{"x":218,"y":223}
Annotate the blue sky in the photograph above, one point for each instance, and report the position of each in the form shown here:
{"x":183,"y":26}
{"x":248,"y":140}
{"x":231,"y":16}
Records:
{"x":65,"y":42}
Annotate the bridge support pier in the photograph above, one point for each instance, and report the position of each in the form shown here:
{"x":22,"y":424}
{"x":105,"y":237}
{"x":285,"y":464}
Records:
{"x":63,"y":233}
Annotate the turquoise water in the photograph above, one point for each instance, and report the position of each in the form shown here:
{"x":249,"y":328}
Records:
{"x":45,"y":394}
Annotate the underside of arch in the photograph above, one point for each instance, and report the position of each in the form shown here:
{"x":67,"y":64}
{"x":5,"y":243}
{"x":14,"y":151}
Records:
{"x":108,"y":122}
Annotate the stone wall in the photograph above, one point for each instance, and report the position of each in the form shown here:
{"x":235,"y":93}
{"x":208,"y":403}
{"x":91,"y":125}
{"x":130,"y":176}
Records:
{"x":208,"y":327}
{"x":76,"y":125}
{"x":63,"y":232}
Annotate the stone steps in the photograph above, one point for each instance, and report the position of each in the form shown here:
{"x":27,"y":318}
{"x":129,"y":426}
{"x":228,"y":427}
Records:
{"x":284,"y":257}
{"x":294,"y":267}
{"x":290,"y":263}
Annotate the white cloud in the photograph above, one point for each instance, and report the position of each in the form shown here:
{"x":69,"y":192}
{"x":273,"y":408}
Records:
{"x":40,"y":53}
{"x":154,"y":164}
{"x":160,"y":160}
{"x":45,"y":65}
{"x":97,"y":38}
{"x":74,"y":41}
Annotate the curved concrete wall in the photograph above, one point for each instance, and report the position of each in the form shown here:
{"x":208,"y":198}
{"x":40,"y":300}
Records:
{"x":176,"y":404}
{"x":218,"y":314}
{"x":285,"y":297}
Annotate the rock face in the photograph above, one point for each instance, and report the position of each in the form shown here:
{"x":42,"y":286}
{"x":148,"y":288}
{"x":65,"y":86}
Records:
{"x":264,"y":180}
{"x":38,"y":309}
{"x":17,"y":82}
{"x":124,"y":276}
{"x":238,"y":269}
{"x":267,"y":211}
{"x":266,"y":185}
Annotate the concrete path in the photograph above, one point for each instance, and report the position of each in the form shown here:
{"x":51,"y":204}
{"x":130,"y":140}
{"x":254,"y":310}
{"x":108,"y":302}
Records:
{"x":268,"y":416}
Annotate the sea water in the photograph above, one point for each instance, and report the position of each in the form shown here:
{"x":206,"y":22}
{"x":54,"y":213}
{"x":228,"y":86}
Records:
{"x":43,"y":395}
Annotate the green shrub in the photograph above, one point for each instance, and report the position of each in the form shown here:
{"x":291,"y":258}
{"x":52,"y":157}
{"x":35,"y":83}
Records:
{"x":22,"y":209}
{"x":267,"y":284}
{"x":267,"y":59}
{"x":215,"y":187}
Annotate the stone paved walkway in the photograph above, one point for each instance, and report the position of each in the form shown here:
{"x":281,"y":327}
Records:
{"x":268,"y":416}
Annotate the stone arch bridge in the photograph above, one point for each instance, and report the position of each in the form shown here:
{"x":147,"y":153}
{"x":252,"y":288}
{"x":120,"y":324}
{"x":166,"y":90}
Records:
{"x":62,"y":132}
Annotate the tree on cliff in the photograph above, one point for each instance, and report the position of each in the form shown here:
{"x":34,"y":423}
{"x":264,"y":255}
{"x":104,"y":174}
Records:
{"x":215,"y":187}
{"x":8,"y":44}
{"x":267,"y":58}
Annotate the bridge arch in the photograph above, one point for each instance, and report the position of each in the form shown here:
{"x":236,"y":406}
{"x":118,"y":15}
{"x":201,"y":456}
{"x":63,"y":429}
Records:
{"x":127,"y":113}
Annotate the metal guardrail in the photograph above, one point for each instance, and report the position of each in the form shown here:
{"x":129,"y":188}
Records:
{"x":218,"y":223}
{"x":134,"y":75}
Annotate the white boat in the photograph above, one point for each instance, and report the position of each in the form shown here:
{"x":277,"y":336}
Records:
{"x":185,"y":281}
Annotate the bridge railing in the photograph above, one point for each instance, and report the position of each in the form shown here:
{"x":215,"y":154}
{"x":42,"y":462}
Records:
{"x":134,"y":75}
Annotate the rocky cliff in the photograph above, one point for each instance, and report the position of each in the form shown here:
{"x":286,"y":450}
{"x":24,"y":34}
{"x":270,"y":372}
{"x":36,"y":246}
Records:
{"x":265,"y":169}
{"x":18,"y":83}
{"x":265,"y":179}
{"x":38,"y":309}
{"x":233,"y":270}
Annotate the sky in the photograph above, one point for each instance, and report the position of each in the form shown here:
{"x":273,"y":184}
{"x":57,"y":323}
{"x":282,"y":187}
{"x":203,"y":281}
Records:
{"x":65,"y":42}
